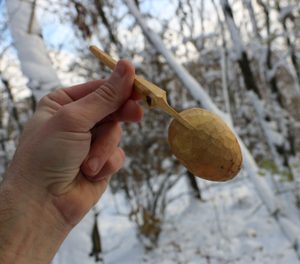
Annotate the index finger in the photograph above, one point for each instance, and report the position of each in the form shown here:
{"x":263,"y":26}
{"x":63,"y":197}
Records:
{"x":78,"y":91}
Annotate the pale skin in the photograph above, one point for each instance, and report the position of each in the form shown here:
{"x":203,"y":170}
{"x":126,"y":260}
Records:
{"x":65,"y":158}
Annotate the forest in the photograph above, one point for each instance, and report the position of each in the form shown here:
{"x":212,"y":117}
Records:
{"x":237,"y":58}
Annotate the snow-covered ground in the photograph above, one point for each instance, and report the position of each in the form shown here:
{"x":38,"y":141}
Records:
{"x":231,"y":225}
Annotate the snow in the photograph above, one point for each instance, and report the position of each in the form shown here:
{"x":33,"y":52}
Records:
{"x":288,"y":10}
{"x":35,"y":62}
{"x":272,"y":138}
{"x":166,"y":164}
{"x":117,"y":233}
{"x":250,"y":9}
{"x":230,"y":226}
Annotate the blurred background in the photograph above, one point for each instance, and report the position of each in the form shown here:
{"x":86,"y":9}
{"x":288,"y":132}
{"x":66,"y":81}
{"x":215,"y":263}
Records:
{"x":245,"y":58}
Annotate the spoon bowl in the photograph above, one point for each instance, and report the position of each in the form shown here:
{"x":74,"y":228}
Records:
{"x":211,"y":151}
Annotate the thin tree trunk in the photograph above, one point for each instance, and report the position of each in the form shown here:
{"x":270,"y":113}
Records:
{"x":237,"y":42}
{"x":291,"y":47}
{"x":268,"y":59}
{"x":224,"y":62}
{"x":96,"y":241}
{"x":15,"y":111}
{"x":249,"y":6}
{"x":282,"y":150}
{"x":100,"y":8}
{"x":194,"y":185}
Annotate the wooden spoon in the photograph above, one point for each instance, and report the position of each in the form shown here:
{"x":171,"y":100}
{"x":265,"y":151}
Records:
{"x":202,"y":141}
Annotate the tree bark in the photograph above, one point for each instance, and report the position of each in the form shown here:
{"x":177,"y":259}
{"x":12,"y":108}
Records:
{"x":99,"y":6}
{"x":194,"y":185}
{"x":268,"y":60}
{"x":238,"y":45}
{"x":291,"y":47}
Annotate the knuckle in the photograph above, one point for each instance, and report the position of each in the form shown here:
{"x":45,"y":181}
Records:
{"x":119,"y":130}
{"x":116,"y":165}
{"x":121,"y":161}
{"x":116,"y":161}
{"x":115,"y":137}
{"x":68,"y":119}
{"x":108,"y":93}
{"x":67,"y":116}
{"x":66,"y":112}
{"x":120,"y":158}
{"x":53,"y":99}
{"x":58,"y":95}
{"x":43,"y":101}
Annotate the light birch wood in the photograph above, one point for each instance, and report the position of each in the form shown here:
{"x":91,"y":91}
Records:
{"x":152,"y":94}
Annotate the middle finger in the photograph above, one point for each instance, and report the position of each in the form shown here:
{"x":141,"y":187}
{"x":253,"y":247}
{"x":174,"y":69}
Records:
{"x":106,"y":138}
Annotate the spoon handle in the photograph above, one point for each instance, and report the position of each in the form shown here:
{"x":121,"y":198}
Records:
{"x":154,"y":96}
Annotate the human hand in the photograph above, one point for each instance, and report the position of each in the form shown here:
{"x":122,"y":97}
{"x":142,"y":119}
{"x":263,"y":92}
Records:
{"x":69,"y":149}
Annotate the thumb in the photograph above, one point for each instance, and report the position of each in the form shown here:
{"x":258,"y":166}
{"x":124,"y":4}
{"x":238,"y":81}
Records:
{"x":84,"y":113}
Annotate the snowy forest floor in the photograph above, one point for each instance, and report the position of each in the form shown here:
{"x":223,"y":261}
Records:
{"x":230,"y":226}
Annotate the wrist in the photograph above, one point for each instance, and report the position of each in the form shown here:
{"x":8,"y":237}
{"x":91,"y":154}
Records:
{"x":31,"y":229}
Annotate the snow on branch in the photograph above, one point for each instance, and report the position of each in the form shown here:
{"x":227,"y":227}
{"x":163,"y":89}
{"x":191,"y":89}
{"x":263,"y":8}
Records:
{"x":32,"y":53}
{"x":271,"y":138}
{"x":288,"y":11}
{"x":234,"y":31}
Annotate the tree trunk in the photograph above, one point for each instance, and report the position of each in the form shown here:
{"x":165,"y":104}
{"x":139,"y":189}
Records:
{"x":268,"y":59}
{"x":247,"y":74}
{"x":194,"y":185}
{"x":291,"y":47}
{"x":238,"y":45}
{"x":100,"y":8}
{"x":249,"y":6}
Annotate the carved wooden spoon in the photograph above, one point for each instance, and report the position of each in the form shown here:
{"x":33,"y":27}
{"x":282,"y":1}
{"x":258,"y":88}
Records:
{"x":201,"y":140}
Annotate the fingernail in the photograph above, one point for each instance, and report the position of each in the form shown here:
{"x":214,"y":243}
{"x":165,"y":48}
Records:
{"x":120,"y":69}
{"x":93,"y":164}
